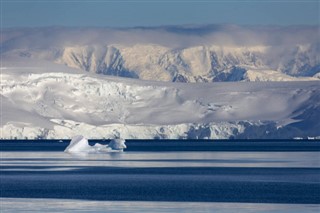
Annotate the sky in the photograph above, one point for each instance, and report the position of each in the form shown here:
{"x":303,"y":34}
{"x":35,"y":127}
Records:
{"x":131,"y":13}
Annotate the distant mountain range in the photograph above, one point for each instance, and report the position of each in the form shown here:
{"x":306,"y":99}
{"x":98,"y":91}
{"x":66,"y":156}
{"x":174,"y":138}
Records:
{"x":60,"y":82}
{"x":210,"y":53}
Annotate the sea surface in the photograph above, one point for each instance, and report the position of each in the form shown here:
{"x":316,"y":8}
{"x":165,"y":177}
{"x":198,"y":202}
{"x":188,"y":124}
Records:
{"x":162,"y":176}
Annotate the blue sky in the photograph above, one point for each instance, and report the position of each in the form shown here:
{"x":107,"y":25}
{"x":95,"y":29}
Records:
{"x":126,"y":13}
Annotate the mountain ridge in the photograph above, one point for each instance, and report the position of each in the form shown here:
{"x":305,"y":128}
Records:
{"x":207,"y":82}
{"x":206,"y":53}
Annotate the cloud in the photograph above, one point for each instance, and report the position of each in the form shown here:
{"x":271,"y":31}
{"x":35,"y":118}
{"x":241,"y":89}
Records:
{"x":170,"y":36}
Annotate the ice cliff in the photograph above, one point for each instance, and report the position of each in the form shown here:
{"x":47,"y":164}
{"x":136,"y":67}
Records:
{"x":62,"y":102}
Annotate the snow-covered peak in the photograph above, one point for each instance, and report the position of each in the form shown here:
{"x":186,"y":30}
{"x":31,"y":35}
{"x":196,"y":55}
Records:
{"x":180,"y":53}
{"x":50,"y":87}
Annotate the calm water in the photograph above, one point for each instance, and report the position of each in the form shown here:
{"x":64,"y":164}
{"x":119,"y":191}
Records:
{"x":59,"y":205}
{"x":172,"y":180}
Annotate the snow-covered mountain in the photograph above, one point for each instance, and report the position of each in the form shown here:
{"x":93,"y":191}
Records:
{"x":60,"y":102}
{"x":179,"y":54}
{"x":266,"y":82}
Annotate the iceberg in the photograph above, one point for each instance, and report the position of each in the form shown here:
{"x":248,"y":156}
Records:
{"x":117,"y":144}
{"x":80,"y":144}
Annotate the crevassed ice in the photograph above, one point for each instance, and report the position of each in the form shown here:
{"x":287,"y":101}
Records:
{"x":80,"y":144}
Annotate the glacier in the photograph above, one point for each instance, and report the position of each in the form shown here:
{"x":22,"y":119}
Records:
{"x":60,"y":102}
{"x":170,"y":82}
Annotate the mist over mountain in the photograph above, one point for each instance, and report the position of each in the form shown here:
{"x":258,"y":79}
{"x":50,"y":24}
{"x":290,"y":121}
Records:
{"x":59,"y":82}
{"x":189,"y":53}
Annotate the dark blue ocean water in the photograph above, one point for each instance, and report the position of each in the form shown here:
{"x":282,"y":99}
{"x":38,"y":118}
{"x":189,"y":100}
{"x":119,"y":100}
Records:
{"x":172,"y":145}
{"x":270,"y":172}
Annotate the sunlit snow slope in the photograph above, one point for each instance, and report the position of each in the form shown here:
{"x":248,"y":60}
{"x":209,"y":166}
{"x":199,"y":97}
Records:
{"x":263,"y":82}
{"x":209,"y":53}
{"x":40,"y":100}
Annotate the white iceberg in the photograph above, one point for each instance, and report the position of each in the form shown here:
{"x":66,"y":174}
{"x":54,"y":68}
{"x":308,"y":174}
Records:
{"x":80,"y":144}
{"x":117,"y":144}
